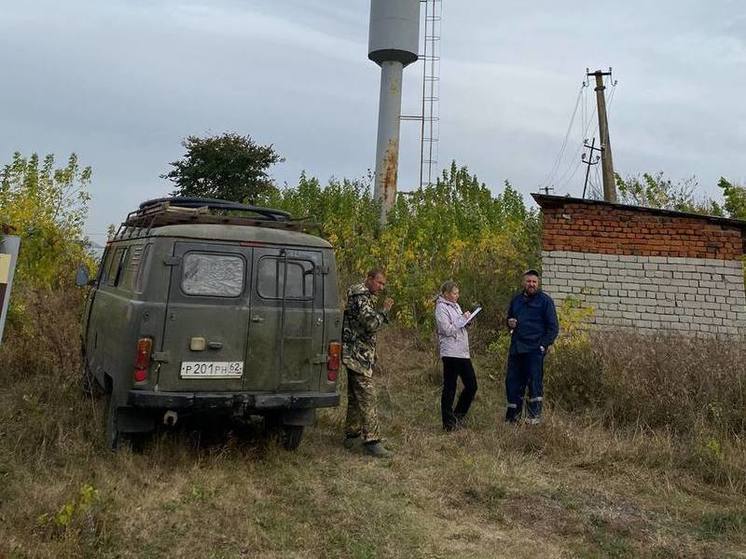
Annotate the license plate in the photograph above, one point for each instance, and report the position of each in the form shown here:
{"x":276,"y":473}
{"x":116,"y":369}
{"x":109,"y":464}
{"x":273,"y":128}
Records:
{"x":211,"y":369}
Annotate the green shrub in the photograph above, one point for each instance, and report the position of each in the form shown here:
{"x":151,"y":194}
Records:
{"x":455,"y":229}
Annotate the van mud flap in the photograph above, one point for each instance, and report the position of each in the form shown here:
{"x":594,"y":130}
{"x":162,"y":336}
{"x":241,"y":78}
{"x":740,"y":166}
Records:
{"x":299,"y":417}
{"x":131,"y":420}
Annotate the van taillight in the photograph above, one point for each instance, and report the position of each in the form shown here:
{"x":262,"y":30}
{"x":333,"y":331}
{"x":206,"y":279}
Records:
{"x":142,"y":360}
{"x":333,"y":358}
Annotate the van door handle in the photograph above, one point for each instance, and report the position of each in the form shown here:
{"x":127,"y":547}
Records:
{"x":257,"y":318}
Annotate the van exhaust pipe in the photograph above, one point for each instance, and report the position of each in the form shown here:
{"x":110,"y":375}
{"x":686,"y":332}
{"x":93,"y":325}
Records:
{"x":170,"y":418}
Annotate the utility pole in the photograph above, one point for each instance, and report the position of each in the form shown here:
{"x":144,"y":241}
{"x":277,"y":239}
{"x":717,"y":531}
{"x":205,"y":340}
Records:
{"x":607,"y":164}
{"x":590,"y":161}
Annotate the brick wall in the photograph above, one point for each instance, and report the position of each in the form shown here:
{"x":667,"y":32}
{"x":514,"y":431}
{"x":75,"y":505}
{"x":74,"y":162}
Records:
{"x":610,"y":229}
{"x":645,"y":269}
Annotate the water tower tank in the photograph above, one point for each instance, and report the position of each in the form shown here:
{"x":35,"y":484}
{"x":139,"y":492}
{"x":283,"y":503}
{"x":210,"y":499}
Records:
{"x":392,"y":44}
{"x":394,"y":31}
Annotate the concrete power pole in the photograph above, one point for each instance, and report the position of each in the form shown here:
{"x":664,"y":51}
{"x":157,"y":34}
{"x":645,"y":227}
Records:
{"x":607,"y":163}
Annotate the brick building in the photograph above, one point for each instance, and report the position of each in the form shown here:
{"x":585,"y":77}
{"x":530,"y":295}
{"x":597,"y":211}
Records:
{"x":645,"y":268}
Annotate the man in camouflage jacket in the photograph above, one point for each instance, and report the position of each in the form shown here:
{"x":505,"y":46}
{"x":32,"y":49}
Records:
{"x":361,"y":322}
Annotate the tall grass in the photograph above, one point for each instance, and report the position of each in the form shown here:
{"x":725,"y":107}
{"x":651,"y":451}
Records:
{"x":690,"y":392}
{"x":664,"y":381}
{"x":582,"y":484}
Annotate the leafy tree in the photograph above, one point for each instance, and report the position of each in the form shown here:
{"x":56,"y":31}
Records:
{"x":735,"y":198}
{"x":47,"y":206}
{"x":657,"y":191}
{"x":228,"y":167}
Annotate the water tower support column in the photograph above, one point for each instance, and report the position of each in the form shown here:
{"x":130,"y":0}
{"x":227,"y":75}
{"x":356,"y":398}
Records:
{"x":387,"y":147}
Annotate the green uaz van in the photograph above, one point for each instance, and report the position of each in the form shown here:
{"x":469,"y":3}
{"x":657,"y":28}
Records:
{"x":209,"y":306}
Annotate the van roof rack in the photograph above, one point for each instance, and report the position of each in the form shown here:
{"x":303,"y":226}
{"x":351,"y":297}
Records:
{"x":178,"y":210}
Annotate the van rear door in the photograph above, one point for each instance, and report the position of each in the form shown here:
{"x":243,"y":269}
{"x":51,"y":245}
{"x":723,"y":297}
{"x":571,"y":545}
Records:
{"x":204,"y":341}
{"x":287,"y":318}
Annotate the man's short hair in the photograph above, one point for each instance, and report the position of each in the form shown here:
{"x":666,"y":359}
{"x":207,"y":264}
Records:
{"x":531,"y":272}
{"x":373,"y":273}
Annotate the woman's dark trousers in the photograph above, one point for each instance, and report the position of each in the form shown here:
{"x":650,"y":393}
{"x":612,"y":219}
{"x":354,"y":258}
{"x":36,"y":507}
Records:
{"x":453,"y":368}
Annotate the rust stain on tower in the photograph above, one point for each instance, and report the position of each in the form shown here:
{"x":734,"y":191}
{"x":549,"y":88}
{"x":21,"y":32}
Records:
{"x":391,"y":169}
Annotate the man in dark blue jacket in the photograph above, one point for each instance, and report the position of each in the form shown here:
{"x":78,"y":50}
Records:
{"x":532,"y":320}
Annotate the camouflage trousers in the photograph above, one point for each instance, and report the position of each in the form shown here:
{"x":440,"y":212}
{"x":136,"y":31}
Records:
{"x":362,"y":418}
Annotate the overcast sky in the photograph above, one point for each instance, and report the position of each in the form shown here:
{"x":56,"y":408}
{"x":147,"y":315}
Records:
{"x":122,"y":82}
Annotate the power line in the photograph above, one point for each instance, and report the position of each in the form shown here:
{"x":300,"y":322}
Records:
{"x":574,"y":162}
{"x":564,"y":181}
{"x":558,"y":159}
{"x":611,"y":95}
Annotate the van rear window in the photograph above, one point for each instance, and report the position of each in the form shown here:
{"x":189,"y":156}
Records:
{"x":213,"y":275}
{"x":271,"y":274}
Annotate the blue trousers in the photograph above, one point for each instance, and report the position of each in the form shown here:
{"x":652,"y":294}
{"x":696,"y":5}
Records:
{"x":525,"y":370}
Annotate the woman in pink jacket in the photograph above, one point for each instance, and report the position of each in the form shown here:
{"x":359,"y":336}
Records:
{"x":453,"y":340}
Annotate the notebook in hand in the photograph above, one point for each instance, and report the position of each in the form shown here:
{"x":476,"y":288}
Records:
{"x":474,"y":313}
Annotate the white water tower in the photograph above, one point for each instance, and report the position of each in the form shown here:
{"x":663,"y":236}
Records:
{"x":392,"y":44}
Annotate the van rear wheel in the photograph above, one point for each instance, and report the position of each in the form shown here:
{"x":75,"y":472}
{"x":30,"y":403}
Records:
{"x":291,"y":436}
{"x":288,"y":435}
{"x":111,"y":430}
{"x":89,"y":383}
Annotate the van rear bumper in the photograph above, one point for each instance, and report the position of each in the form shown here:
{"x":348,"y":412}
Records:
{"x":246,"y":401}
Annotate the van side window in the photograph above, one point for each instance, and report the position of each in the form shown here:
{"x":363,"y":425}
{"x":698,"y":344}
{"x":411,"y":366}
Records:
{"x":114,"y":274}
{"x":103,"y":269}
{"x":271,"y":273}
{"x":140,"y":278}
{"x":214,"y":275}
{"x":132,"y":265}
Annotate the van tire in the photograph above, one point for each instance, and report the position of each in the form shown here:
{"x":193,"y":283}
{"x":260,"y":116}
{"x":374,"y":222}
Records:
{"x":288,"y":435}
{"x":111,"y":431}
{"x":291,"y":436}
{"x":89,"y":383}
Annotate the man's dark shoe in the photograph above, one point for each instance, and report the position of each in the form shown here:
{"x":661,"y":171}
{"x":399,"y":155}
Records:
{"x":377,"y":450}
{"x":351,"y":441}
